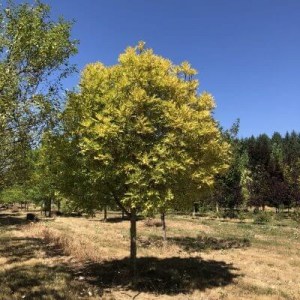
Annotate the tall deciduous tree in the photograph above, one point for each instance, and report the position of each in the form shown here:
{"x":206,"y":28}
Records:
{"x":34,"y":58}
{"x":148,"y":131}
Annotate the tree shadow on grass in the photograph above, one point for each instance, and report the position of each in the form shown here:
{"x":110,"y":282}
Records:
{"x":168,"y":276}
{"x":161,"y":276}
{"x":21,"y":249}
{"x":41,"y":281}
{"x":201,"y":243}
{"x":116,"y":219}
{"x":63,"y":280}
{"x":7,"y":219}
{"x":16,"y":249}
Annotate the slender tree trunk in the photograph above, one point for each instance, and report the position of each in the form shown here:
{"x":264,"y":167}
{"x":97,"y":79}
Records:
{"x":133,"y":245}
{"x":164,"y":227}
{"x":217,"y":207}
{"x":45,"y":207}
{"x":105,"y":213}
{"x":49,"y":208}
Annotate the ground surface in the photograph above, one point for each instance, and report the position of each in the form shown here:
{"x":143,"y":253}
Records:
{"x":79,"y":258}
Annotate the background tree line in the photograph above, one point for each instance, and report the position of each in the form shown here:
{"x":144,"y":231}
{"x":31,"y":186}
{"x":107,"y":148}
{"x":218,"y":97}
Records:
{"x":264,"y":172}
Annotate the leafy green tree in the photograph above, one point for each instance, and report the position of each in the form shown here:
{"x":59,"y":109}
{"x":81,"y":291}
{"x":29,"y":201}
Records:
{"x":34,"y":58}
{"x":77,"y":182}
{"x":232,"y":188}
{"x":148,"y":130}
{"x":14,"y":194}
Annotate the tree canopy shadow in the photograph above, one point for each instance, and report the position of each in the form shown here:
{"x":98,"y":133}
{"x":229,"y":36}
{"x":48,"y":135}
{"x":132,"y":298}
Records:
{"x":116,"y":219}
{"x":7,"y":219}
{"x":161,"y":276}
{"x":21,"y":249}
{"x":201,"y":243}
{"x":41,"y":281}
{"x":168,"y":276}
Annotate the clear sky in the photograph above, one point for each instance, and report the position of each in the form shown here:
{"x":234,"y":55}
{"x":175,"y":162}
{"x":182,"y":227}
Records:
{"x":247,"y":52}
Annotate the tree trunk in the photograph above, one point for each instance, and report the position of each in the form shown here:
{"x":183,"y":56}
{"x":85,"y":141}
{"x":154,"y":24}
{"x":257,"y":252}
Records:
{"x":133,"y":245}
{"x":58,"y":205}
{"x":163,"y":221}
{"x":50,"y":208}
{"x":105,"y":213}
{"x":48,"y":212}
{"x":45,"y":208}
{"x":217,"y":207}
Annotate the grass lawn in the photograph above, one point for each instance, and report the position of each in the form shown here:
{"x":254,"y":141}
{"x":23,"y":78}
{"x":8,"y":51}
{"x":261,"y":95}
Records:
{"x":79,"y":258}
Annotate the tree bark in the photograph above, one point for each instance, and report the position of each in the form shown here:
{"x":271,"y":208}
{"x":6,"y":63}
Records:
{"x":133,"y":245}
{"x":48,"y":212}
{"x":105,"y":213}
{"x":164,"y":227}
{"x":50,"y":208}
{"x":58,"y":205}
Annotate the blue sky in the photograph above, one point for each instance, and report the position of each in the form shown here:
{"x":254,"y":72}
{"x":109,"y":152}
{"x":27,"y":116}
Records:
{"x":247,"y":52}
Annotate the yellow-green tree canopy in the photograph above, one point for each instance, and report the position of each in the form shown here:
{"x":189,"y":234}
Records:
{"x":148,"y":129}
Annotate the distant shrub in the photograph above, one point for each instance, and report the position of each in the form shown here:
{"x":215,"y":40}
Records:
{"x":262,"y":218}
